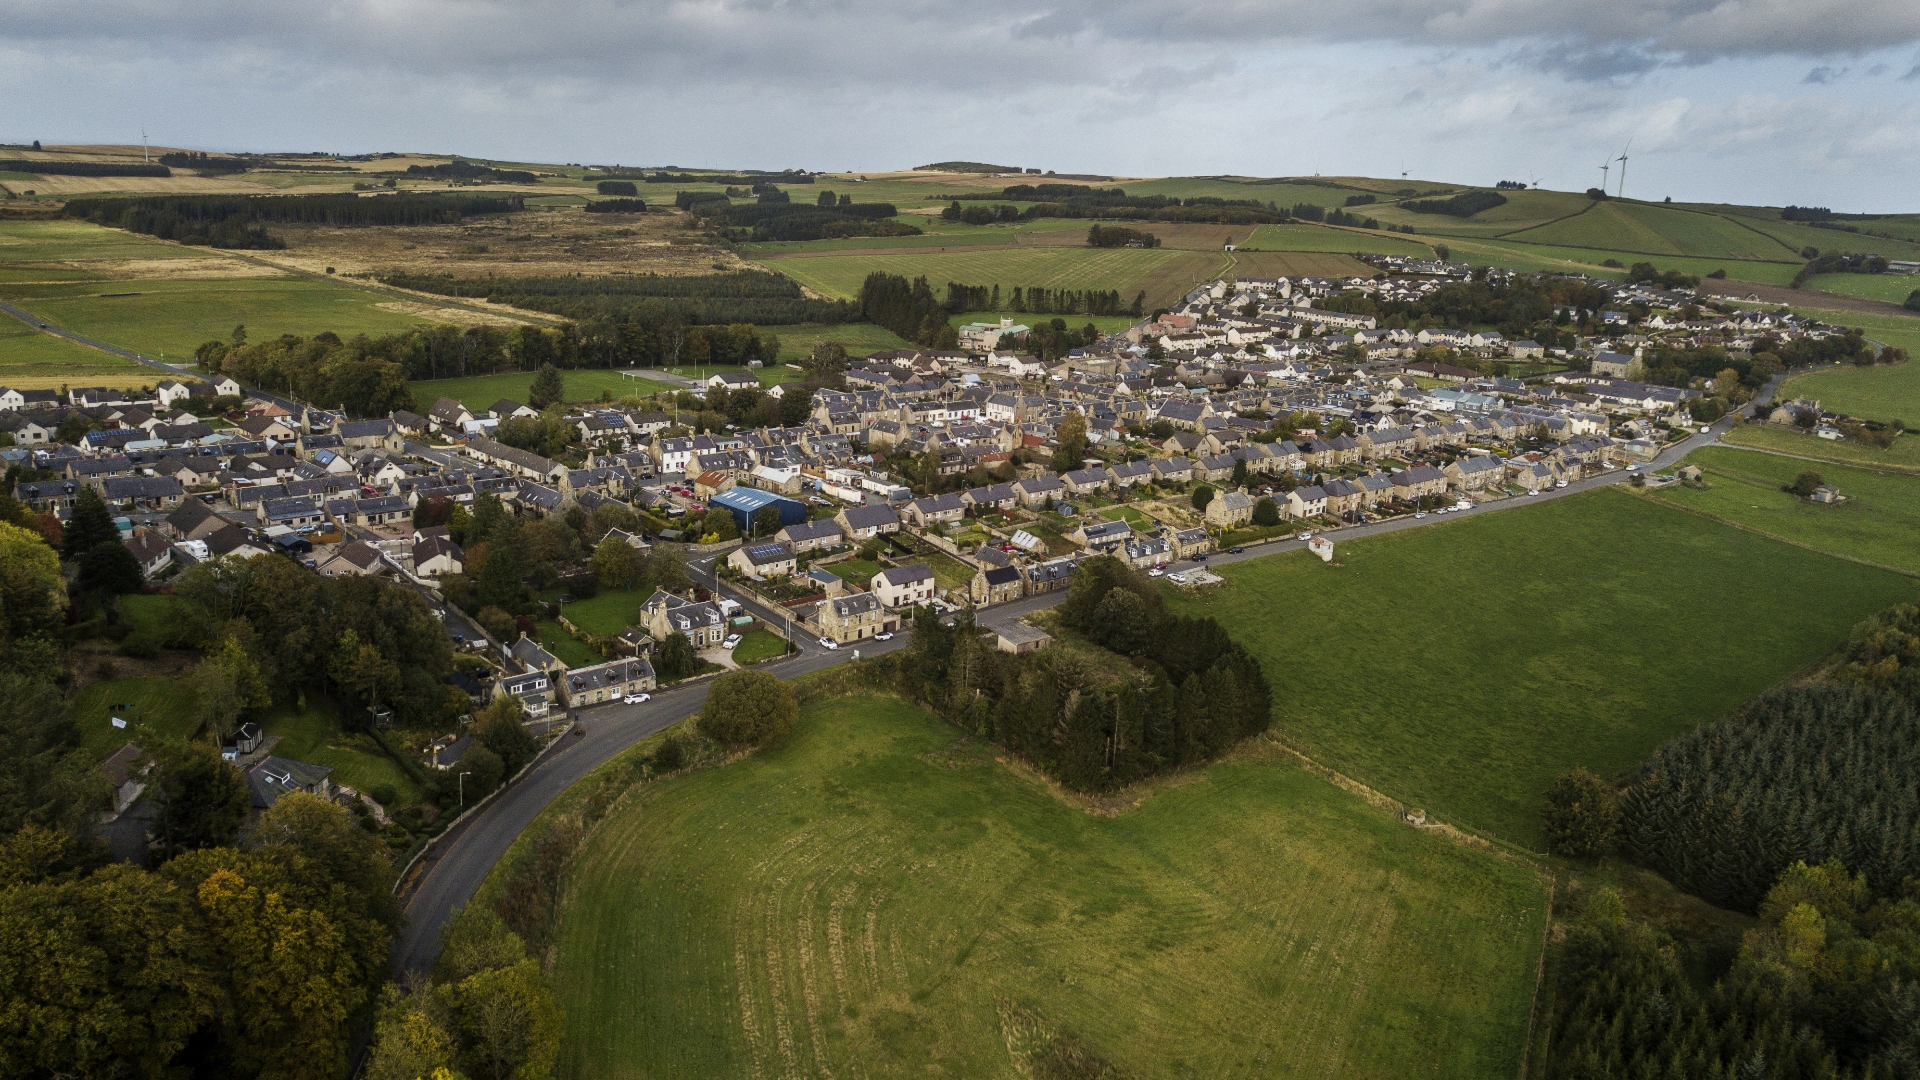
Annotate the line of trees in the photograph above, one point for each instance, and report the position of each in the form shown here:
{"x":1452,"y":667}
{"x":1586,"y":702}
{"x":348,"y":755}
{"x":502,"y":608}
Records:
{"x":742,"y":179}
{"x":467,"y":170}
{"x":1464,"y":205}
{"x":1079,"y":201}
{"x":1185,"y":692}
{"x":1113,"y":236}
{"x":236,"y":221}
{"x":82,"y":168}
{"x":754,"y":296}
{"x":617,"y":187}
{"x":202,"y":162}
{"x":782,"y":219}
{"x":909,"y":309}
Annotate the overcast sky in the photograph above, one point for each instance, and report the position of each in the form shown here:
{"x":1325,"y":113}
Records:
{"x":1814,"y":102}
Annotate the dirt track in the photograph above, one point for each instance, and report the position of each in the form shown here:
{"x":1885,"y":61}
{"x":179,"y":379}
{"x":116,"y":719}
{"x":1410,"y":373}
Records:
{"x":1810,"y":298}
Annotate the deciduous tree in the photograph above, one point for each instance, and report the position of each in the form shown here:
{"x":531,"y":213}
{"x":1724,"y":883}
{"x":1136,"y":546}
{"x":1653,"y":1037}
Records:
{"x":746,"y":708}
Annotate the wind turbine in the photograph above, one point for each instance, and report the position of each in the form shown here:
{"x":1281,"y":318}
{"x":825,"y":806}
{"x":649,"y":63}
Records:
{"x":1623,"y":168}
{"x":1536,"y":182}
{"x":144,"y":155}
{"x":1604,"y":166}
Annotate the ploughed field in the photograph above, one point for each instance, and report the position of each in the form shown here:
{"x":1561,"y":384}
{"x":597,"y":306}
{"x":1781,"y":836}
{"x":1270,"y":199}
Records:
{"x":878,"y":897}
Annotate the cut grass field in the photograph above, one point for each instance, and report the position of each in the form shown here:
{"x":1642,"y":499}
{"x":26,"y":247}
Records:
{"x":173,"y":317}
{"x":874,"y":898}
{"x":759,"y":645}
{"x":859,"y":339}
{"x":313,"y":734}
{"x":570,"y":650}
{"x":608,"y":612}
{"x":481,"y":391}
{"x":1885,"y":392}
{"x":79,"y":241}
{"x":1461,"y":667}
{"x":33,"y":360}
{"x":1892,"y":288}
{"x":1902,"y":456}
{"x":1106,"y":324}
{"x":1876,"y":523}
{"x":158,"y":705}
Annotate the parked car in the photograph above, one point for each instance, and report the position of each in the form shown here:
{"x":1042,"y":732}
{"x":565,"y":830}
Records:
{"x":733,"y":641}
{"x":1559,"y":483}
{"x":1420,"y":514}
{"x":884,"y":635}
{"x":1202,"y":557}
{"x":1237,"y":551}
{"x":1304,"y":536}
{"x":1156,"y":572}
{"x":635,"y":699}
{"x":828,"y":643}
{"x":1535,"y":491}
{"x":1633,"y":468}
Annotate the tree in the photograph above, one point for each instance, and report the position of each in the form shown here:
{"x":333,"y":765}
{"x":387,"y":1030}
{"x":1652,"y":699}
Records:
{"x":668,"y":568}
{"x":1239,"y":478}
{"x":1202,"y":495}
{"x":616,"y":565}
{"x":1581,"y":817}
{"x":1070,"y":443}
{"x":228,"y":683}
{"x":1122,"y":622}
{"x":508,"y":1023}
{"x":547,"y":388}
{"x":676,"y":658}
{"x":32,"y":593}
{"x":109,"y":570}
{"x":199,"y":800}
{"x":500,"y":582}
{"x":364,"y":669}
{"x":484,"y":771}
{"x":46,"y":778}
{"x":90,"y":526}
{"x":1804,"y":484}
{"x":746,"y":708}
{"x":1266,"y":513}
{"x":499,"y":729}
{"x":766,"y":521}
{"x":407,"y":1044}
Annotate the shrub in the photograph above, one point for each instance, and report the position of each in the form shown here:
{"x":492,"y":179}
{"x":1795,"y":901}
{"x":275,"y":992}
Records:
{"x":1266,"y":512}
{"x":1581,"y":815}
{"x":1202,"y":495}
{"x":384,"y":794}
{"x":746,"y":708}
{"x":669,"y":755}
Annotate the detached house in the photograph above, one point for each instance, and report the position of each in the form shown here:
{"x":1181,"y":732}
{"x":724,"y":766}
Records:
{"x":904,"y":586}
{"x":847,"y":619}
{"x":1230,"y":509}
{"x":664,"y":614}
{"x":761,"y":561}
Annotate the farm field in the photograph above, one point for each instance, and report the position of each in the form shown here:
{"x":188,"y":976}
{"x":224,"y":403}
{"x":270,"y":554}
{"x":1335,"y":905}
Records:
{"x":1126,"y":269}
{"x":1522,"y":210}
{"x":890,"y":901}
{"x":1892,"y":288}
{"x":1882,"y":392}
{"x":1270,"y":264}
{"x":1902,"y":456}
{"x":1877,"y":522}
{"x":174,"y":317}
{"x":67,"y":241}
{"x":1460,"y":668}
{"x":1657,"y":230}
{"x":1570,"y":260}
{"x":1106,"y":324}
{"x":481,"y":391}
{"x":33,"y":360}
{"x":1322,"y":238}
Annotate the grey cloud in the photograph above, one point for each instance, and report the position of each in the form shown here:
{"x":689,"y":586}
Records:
{"x":1823,"y":74}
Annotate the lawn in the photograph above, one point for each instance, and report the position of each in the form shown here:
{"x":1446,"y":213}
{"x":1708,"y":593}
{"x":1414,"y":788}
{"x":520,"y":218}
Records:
{"x":608,"y":612}
{"x":1882,"y":392}
{"x":759,"y":645}
{"x":69,"y":241}
{"x":1461,"y":666}
{"x":481,"y":391}
{"x":313,"y":734}
{"x":170,"y":318}
{"x":1139,"y":521}
{"x":1106,"y":324}
{"x":1902,"y":456}
{"x":874,"y":899}
{"x":153,"y":613}
{"x":158,"y":705}
{"x":570,"y":650}
{"x":854,"y":571}
{"x":33,"y":360}
{"x":1877,"y":522}
{"x":768,"y":376}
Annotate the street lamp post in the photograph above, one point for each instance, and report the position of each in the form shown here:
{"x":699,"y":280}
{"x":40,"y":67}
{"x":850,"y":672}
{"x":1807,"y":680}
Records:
{"x":462,"y":779}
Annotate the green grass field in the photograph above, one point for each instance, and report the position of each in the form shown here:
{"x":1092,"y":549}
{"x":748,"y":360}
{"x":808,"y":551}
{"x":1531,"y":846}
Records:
{"x":1657,"y":230}
{"x":609,"y":612}
{"x":1902,"y":456}
{"x":859,"y":339}
{"x":873,"y":899}
{"x":481,"y":391}
{"x":855,"y":571}
{"x":1125,"y":269}
{"x":768,"y":376}
{"x":33,"y":360}
{"x":1461,"y":667}
{"x":758,"y":645}
{"x":1106,"y":324}
{"x":570,"y":650}
{"x":158,"y":705}
{"x":1303,"y":237}
{"x":313,"y":734}
{"x":1891,"y":288}
{"x":1877,"y":522}
{"x":174,"y":317}
{"x":68,"y":241}
{"x":1883,"y":392}
{"x":1570,"y":260}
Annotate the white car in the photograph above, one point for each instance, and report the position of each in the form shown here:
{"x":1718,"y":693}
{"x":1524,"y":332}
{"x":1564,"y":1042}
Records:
{"x":1304,"y":536}
{"x":636,"y":699}
{"x":1559,"y":483}
{"x":1633,"y":468}
{"x":884,"y":635}
{"x":1535,"y":491}
{"x":1156,"y":572}
{"x":1421,"y":514}
{"x":733,"y":640}
{"x":829,"y":643}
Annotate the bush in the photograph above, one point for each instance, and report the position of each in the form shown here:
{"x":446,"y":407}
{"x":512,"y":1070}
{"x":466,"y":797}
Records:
{"x":746,"y":708}
{"x":1266,"y":513}
{"x":384,"y":794}
{"x":670,"y":755}
{"x":1581,"y":815}
{"x":1202,"y":495}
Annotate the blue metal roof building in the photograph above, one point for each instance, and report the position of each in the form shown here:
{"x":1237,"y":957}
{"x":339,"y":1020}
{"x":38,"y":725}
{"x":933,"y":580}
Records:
{"x":745,"y":502}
